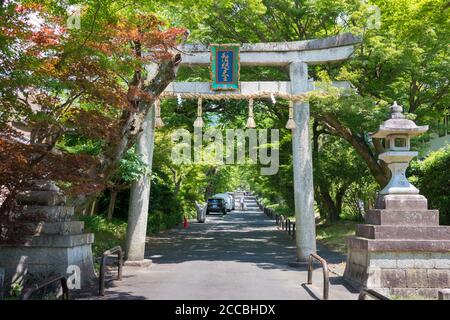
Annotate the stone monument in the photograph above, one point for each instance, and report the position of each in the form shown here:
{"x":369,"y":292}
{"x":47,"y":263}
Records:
{"x":58,"y":246}
{"x":401,"y":250}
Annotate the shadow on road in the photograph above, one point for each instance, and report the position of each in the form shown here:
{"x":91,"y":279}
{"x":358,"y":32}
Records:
{"x":248,"y":237}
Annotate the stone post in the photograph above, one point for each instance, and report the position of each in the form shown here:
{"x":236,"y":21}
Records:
{"x":140,"y":194}
{"x":444,"y":294}
{"x":305,"y":233}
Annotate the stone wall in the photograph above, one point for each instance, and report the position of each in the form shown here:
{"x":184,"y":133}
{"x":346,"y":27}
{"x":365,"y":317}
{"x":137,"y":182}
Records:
{"x":403,"y":274}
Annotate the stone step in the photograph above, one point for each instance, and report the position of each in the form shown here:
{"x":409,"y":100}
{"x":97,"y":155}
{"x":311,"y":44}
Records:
{"x":43,"y":198}
{"x":403,"y":232}
{"x":62,"y":228}
{"x":55,"y":241}
{"x":405,"y":218}
{"x":51,"y":213}
{"x":397,"y":245}
{"x":44,"y":185}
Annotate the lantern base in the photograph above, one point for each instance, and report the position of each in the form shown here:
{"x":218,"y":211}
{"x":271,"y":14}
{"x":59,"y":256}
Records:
{"x":402,"y":202}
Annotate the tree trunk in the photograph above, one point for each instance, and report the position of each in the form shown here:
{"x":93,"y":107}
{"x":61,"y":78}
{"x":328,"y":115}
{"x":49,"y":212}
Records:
{"x":360,"y":146}
{"x":131,"y":124}
{"x":315,"y":154}
{"x":93,"y":206}
{"x":140,"y":193}
{"x":330,"y":207}
{"x":112,"y":204}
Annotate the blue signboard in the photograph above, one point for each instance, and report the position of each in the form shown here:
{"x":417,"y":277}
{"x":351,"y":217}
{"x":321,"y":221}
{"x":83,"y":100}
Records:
{"x":225,"y":67}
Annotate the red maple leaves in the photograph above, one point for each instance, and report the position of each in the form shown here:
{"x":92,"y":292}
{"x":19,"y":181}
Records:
{"x":60,"y":85}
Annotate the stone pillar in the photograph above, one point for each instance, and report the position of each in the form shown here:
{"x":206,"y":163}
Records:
{"x":140,"y":196}
{"x":305,"y":233}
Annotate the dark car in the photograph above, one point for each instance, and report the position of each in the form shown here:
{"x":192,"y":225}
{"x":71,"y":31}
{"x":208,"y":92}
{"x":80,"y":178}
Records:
{"x":216,"y":205}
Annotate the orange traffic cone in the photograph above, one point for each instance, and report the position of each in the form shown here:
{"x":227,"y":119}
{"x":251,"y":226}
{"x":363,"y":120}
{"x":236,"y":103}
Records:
{"x":185,"y":223}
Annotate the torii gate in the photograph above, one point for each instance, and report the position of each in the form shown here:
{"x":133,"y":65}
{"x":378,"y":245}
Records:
{"x":297,"y":55}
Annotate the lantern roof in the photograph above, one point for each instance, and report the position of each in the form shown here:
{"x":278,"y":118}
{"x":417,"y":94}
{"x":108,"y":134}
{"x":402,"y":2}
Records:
{"x":398,"y":124}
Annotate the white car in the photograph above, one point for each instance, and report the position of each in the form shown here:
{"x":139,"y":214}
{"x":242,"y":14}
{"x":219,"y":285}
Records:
{"x":233,"y":199}
{"x":228,"y":200}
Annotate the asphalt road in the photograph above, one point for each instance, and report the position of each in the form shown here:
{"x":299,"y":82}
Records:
{"x":241,"y":255}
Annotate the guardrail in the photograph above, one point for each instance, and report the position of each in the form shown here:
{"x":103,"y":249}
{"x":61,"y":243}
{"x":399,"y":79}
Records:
{"x":280,"y":220}
{"x":372,"y":293}
{"x":268,"y":212}
{"x":326,"y":278}
{"x":29,"y":291}
{"x":105,"y":255}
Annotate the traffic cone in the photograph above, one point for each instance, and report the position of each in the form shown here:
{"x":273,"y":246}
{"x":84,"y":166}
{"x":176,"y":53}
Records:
{"x":185,"y":223}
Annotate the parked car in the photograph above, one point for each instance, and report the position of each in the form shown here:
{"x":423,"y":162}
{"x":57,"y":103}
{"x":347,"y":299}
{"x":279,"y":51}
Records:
{"x":216,"y":205}
{"x":228,"y":200}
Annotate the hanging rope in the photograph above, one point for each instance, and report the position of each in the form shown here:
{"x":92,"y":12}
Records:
{"x":238,"y":96}
{"x":199,"y":121}
{"x":291,"y":123}
{"x":301,"y":97}
{"x":250,"y":121}
{"x":158,"y":121}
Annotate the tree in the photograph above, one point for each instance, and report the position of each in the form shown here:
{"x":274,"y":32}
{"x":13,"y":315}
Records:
{"x":129,"y":170}
{"x":88,"y":82}
{"x":336,"y":168}
{"x":405,"y":59}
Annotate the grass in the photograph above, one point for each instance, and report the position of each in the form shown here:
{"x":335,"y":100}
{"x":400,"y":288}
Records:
{"x":335,"y":236}
{"x":108,"y":234}
{"x":282,"y":209}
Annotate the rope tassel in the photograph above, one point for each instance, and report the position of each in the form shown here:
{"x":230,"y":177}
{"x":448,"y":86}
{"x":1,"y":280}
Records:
{"x":291,"y":123}
{"x":158,"y":121}
{"x":199,"y":121}
{"x":250,"y":121}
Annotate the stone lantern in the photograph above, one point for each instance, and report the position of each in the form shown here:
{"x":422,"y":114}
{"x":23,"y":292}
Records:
{"x":401,"y":250}
{"x":397,"y":132}
{"x":59,"y":246}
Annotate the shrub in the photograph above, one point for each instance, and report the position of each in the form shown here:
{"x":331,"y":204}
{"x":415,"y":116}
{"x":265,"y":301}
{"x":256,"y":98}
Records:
{"x":108,"y":234}
{"x":432,"y":177}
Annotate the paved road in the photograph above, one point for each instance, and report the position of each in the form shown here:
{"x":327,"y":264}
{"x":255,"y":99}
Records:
{"x":238,"y":256}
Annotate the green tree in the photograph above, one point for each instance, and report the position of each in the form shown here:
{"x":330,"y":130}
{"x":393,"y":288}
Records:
{"x":404,"y":58}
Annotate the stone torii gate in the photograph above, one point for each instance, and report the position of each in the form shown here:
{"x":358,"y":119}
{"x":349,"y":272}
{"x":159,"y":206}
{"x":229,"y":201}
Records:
{"x":297,"y":56}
